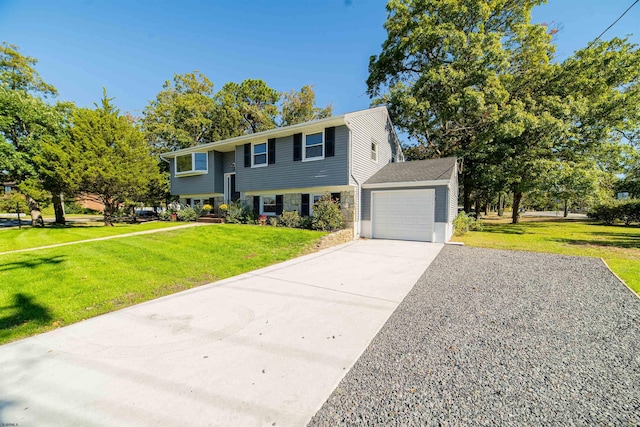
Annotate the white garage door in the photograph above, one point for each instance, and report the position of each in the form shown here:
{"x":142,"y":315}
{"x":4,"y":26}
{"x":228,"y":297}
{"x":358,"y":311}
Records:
{"x":403,"y":214}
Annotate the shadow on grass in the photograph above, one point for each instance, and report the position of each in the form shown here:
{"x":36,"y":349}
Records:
{"x":32,"y":262}
{"x":24,"y":309}
{"x":612,"y":240}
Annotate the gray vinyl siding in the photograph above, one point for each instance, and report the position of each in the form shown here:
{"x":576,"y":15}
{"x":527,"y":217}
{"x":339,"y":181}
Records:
{"x":196,"y":184}
{"x":287,"y":174}
{"x":218,"y":172}
{"x":453,"y":197}
{"x":228,"y":159}
{"x":441,"y":202}
{"x":365,"y":127}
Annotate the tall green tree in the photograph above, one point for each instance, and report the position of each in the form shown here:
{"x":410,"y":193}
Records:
{"x":440,"y":74}
{"x":476,"y":79}
{"x":300,"y":107}
{"x":109,"y":156}
{"x":25,"y":122}
{"x":248,"y":107}
{"x":182,"y":115}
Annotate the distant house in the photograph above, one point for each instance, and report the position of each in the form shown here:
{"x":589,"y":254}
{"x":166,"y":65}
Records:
{"x":8,"y":187}
{"x":355,"y":157}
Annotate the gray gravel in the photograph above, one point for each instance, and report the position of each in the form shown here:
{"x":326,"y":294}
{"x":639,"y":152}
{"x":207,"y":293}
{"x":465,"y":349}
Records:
{"x":490,"y":337}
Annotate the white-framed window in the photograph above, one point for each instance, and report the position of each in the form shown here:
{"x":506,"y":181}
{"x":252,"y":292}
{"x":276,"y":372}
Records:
{"x":313,"y":199}
{"x":313,"y":146}
{"x":191,"y":163}
{"x":259,"y":155}
{"x":268,"y":205}
{"x":374,"y":150}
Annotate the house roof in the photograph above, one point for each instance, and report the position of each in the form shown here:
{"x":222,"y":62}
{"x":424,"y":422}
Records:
{"x":228,"y":144}
{"x":413,"y":172}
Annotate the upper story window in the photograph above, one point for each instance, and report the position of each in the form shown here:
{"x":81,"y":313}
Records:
{"x":374,"y":150}
{"x":314,"y":146}
{"x":260,"y":154}
{"x":192,"y":163}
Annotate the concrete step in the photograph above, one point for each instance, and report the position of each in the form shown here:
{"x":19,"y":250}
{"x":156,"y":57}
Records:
{"x":211,"y":220}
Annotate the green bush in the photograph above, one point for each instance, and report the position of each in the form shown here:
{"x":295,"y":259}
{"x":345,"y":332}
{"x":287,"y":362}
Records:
{"x":626,"y":211}
{"x":291,"y":219}
{"x":9,"y":201}
{"x":326,"y":215}
{"x":240,"y":213}
{"x":464,"y":223}
{"x":187,"y":213}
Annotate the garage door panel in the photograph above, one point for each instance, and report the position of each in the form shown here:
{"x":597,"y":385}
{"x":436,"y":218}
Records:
{"x":403,"y":214}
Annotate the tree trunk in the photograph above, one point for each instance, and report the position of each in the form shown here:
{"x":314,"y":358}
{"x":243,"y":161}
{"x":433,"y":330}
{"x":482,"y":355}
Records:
{"x":108,"y":212}
{"x":566,"y":208}
{"x":500,"y":204}
{"x":517,"y":197}
{"x":466,"y":198}
{"x":58,"y":208}
{"x":486,"y":208}
{"x":36,"y":215}
{"x":477,"y":208}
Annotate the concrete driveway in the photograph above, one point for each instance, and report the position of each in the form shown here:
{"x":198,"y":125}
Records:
{"x":265,"y":348}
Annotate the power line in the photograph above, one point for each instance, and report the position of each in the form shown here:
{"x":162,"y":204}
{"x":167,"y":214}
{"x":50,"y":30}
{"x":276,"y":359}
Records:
{"x":614,"y":23}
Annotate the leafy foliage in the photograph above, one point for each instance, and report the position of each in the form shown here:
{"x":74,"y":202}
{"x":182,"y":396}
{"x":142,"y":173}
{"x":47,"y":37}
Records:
{"x":108,"y":156}
{"x":624,"y":211}
{"x":299,"y":107}
{"x":187,"y":213}
{"x":240,"y":213}
{"x":290,"y":219}
{"x":326,"y":215}
{"x":464,"y":223}
{"x":476,"y":79}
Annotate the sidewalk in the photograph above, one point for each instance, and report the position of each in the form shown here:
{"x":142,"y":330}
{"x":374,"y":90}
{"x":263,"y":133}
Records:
{"x":135,"y":233}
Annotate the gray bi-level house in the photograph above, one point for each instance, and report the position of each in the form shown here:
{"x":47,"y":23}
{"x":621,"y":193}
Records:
{"x":356,"y":157}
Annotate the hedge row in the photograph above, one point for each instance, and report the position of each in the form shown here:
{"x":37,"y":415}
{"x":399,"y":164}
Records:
{"x":627,"y":211}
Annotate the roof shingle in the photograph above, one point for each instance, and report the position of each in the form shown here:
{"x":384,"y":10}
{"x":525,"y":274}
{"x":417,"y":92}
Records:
{"x":415,"y":171}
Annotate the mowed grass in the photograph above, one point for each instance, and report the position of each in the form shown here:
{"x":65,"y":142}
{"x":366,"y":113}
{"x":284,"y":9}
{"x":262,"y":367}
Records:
{"x":618,"y":245}
{"x":33,"y":237}
{"x":45,"y":289}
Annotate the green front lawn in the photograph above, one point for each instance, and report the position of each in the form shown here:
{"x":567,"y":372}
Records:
{"x":33,"y":237}
{"x":619,"y":246}
{"x":48,"y":288}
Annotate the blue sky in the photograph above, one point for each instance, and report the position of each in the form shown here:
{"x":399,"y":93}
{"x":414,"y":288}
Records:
{"x":132,"y":47}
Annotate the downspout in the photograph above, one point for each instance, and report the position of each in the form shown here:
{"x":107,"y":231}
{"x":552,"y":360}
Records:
{"x":358,"y":186}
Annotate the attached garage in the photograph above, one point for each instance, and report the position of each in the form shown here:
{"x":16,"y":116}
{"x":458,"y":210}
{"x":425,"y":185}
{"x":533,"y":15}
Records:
{"x":415,"y":200}
{"x":403,"y":214}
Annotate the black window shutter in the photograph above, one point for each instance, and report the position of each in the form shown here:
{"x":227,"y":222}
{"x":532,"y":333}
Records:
{"x":297,"y":147}
{"x":272,"y":150}
{"x":279,"y":204}
{"x":247,"y":155}
{"x":330,"y":142}
{"x":305,"y":205}
{"x":256,"y":204}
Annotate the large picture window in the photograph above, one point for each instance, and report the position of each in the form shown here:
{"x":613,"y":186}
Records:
{"x":314,"y":146}
{"x":191,"y":163}
{"x":260,"y":154}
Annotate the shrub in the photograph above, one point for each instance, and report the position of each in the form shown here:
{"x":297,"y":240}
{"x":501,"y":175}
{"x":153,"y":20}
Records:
{"x":291,"y":219}
{"x":464,"y":223}
{"x":240,"y":213}
{"x":326,"y":215}
{"x":187,"y":213}
{"x":627,"y":211}
{"x":273,"y":221}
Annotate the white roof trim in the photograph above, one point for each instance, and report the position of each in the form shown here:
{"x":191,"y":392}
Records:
{"x":407,"y":184}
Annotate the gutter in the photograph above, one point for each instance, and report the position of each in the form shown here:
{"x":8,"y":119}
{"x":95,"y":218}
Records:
{"x":358,"y":185}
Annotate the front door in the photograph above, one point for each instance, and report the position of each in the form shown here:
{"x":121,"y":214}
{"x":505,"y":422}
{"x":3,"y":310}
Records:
{"x":230,"y":193}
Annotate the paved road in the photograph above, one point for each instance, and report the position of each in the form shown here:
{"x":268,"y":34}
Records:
{"x":492,"y":337}
{"x":265,"y":348}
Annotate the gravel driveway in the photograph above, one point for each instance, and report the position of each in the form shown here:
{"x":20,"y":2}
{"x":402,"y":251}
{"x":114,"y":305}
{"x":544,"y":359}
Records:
{"x":500,"y":337}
